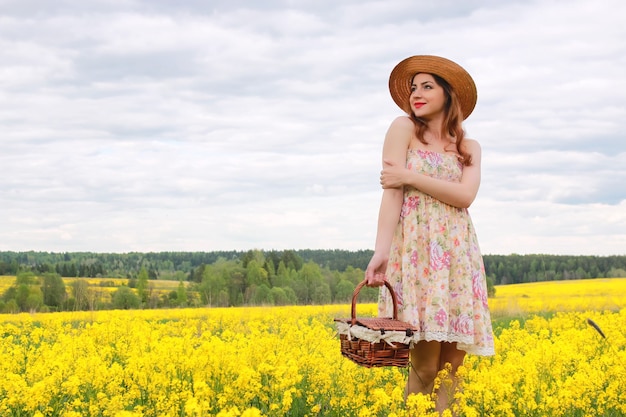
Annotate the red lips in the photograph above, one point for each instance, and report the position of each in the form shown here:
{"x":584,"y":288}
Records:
{"x":418,"y":105}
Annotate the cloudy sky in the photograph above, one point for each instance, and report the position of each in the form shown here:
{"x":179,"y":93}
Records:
{"x":164,"y":125}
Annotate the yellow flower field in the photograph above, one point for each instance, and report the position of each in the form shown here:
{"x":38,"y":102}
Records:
{"x":286,"y":361}
{"x":580,"y":295}
{"x":5,"y":282}
{"x":103,"y":288}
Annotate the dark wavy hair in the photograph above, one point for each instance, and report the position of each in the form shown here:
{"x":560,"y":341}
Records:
{"x":452,"y":122}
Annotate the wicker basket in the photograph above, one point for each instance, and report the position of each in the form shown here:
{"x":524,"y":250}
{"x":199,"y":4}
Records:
{"x":378,"y":351}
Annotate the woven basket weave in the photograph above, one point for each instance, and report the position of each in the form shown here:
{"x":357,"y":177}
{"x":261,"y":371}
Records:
{"x":380,"y":353}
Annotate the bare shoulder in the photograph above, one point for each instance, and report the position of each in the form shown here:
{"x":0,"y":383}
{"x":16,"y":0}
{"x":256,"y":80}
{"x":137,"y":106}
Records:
{"x":401,"y":127}
{"x":471,"y":146}
{"x":398,"y":138}
{"x":402,"y":122}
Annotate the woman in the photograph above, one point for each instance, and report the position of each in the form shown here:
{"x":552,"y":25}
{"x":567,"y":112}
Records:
{"x":426,"y":246}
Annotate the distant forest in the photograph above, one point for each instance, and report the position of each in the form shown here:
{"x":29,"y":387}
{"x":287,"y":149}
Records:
{"x":189,"y":266}
{"x":231,"y":278}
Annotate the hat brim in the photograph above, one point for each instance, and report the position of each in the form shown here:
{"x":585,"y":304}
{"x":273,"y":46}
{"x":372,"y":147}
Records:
{"x":459,"y":79}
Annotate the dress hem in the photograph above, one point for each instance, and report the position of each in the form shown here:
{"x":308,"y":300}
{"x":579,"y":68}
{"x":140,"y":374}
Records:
{"x":462,"y":344}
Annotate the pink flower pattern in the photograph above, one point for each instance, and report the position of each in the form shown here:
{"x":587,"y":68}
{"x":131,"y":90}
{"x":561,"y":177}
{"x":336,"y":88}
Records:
{"x":480,"y":290}
{"x":435,"y":265}
{"x":462,"y":324}
{"x":441,"y":317}
{"x":439,"y":258}
{"x":409,"y":205}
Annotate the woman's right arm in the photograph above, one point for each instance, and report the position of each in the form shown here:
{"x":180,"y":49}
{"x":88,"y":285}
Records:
{"x":396,"y":144}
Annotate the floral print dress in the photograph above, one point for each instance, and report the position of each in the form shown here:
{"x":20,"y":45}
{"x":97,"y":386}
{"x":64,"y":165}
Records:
{"x":435,"y":265}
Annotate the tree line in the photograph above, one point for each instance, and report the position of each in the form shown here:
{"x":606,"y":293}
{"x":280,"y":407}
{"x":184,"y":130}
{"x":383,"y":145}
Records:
{"x":233,"y":278}
{"x":48,"y":292}
{"x":254,"y":278}
{"x":502,"y":269}
{"x":516,"y":269}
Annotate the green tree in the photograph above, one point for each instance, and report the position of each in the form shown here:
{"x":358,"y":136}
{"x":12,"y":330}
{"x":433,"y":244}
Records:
{"x":53,"y":289}
{"x":344,"y":292}
{"x":236,"y":286}
{"x":332,"y":279}
{"x":124,"y":298}
{"x":321,"y":294}
{"x":80,"y":292}
{"x":142,"y":285}
{"x":279,"y":296}
{"x":263,"y":295}
{"x":222,"y":283}
{"x":222,"y":299}
{"x":354,"y":275}
{"x":253,"y":255}
{"x":28,"y":297}
{"x":213,"y":282}
{"x":256,"y":274}
{"x":181,"y":294}
{"x":291,"y":296}
{"x":270,"y":268}
{"x":309,"y":278}
{"x":292,"y":260}
{"x":282,"y":278}
{"x":10,"y":293}
{"x":26,"y":278}
{"x":198,"y":273}
{"x":491,"y":289}
{"x":24,"y":292}
{"x":11,"y":307}
{"x":616,"y":273}
{"x":34,"y":301}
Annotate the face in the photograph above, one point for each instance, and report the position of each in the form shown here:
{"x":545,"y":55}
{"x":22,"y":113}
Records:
{"x":427,"y":98}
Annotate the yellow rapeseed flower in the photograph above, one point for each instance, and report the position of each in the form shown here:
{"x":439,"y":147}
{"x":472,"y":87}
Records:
{"x":286,"y":361}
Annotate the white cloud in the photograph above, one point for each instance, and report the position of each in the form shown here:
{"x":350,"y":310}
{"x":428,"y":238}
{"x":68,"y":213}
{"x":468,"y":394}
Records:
{"x":135,"y":125}
{"x":543,"y":227}
{"x":556,"y":176}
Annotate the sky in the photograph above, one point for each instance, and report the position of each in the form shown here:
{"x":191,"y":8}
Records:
{"x":209,"y":125}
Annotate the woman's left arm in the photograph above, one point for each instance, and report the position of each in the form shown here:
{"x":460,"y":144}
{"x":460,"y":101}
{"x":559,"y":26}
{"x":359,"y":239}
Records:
{"x":458,"y":194}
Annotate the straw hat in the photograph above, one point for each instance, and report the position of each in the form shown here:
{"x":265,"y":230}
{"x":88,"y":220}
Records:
{"x":460,"y":80}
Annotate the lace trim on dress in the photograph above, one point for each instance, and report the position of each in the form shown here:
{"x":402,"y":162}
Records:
{"x":392,"y":337}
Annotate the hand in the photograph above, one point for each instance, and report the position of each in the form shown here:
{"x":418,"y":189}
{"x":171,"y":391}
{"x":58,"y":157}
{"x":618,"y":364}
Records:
{"x":392,"y":175}
{"x":375,"y":272}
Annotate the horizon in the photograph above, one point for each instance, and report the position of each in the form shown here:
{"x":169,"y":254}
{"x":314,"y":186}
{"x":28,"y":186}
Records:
{"x":243,"y":251}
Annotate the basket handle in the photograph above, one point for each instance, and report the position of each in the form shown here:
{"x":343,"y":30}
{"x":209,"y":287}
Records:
{"x":358,"y":289}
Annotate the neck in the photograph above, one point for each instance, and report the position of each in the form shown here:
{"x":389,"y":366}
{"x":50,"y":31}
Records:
{"x":435,"y":131}
{"x":435,"y":125}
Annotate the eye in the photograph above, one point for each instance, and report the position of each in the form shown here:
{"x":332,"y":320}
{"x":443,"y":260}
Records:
{"x":413,"y":88}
